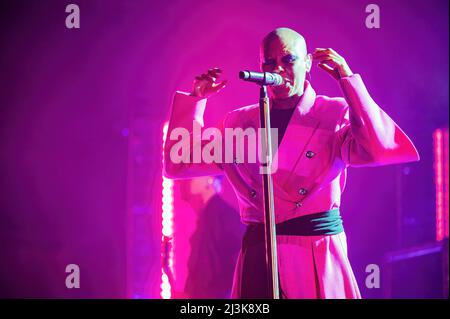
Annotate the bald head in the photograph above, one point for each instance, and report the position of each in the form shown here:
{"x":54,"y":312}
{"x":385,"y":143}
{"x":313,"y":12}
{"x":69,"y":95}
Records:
{"x":284,"y":51}
{"x":284,"y":36}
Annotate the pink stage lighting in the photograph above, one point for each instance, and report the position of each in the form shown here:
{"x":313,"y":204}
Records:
{"x":167,"y":231}
{"x":441,"y":162}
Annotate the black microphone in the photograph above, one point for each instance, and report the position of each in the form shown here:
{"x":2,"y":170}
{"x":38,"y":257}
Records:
{"x":261,"y":78}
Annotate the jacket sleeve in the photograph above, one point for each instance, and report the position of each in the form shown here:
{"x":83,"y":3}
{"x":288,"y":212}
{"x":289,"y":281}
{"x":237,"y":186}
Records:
{"x":367,"y":135}
{"x":183,"y":145}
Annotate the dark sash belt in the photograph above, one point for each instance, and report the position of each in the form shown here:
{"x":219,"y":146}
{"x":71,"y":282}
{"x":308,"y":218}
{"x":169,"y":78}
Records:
{"x":324,"y":223}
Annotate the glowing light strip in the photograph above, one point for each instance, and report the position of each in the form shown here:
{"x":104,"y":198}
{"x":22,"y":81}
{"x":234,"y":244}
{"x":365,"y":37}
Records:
{"x":167,"y":229}
{"x":440,"y":141}
{"x":445,"y":164}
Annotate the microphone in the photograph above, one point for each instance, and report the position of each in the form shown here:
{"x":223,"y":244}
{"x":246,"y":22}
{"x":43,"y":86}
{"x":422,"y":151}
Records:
{"x":264,"y":78}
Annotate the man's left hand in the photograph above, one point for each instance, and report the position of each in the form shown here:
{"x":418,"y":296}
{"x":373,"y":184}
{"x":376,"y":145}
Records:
{"x":330,"y":61}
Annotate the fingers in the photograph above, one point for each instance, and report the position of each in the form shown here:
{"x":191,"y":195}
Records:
{"x":325,"y":55}
{"x":328,"y":65}
{"x":205,"y":77}
{"x":325,"y":67}
{"x":206,"y":84}
{"x":330,"y":70}
{"x":320,"y":53}
{"x":215,"y":72}
{"x":211,"y":75}
{"x":327,"y":50}
{"x":217,"y":87}
{"x":330,"y":61}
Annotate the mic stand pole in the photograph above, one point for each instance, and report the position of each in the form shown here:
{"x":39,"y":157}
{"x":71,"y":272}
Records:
{"x":269,"y":209}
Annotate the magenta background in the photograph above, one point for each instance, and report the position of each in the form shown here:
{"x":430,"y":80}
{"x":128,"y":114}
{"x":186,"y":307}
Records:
{"x":75,"y":103}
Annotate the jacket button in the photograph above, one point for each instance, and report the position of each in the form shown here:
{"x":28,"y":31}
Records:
{"x":309,"y":154}
{"x":253,"y":193}
{"x":302,"y":191}
{"x":298,"y":204}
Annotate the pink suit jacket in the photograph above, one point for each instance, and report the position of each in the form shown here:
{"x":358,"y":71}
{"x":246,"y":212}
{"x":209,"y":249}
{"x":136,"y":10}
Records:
{"x":324,"y":136}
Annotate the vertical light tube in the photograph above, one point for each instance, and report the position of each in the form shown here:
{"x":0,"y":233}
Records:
{"x":167,"y":229}
{"x":441,"y":162}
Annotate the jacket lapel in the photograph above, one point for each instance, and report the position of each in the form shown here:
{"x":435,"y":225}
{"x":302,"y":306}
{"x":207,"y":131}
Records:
{"x":300,"y":129}
{"x":292,"y":148}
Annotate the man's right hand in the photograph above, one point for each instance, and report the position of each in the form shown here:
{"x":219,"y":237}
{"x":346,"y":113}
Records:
{"x":206,"y":85}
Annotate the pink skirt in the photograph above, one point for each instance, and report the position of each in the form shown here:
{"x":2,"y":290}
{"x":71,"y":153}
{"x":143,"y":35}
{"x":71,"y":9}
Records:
{"x":310,"y":267}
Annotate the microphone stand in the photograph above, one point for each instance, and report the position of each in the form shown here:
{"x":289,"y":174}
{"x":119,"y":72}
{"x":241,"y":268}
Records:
{"x":270,"y":234}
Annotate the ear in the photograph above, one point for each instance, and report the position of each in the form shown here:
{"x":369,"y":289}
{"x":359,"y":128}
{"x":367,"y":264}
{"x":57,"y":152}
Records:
{"x":308,"y":62}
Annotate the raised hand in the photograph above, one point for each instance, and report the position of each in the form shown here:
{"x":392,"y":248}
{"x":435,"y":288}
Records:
{"x":330,"y":61}
{"x":206,"y":84}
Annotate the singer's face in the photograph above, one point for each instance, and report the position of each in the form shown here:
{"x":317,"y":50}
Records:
{"x":287,"y":56}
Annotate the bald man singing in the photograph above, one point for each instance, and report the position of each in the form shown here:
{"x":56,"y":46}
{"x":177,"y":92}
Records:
{"x":319,"y":137}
